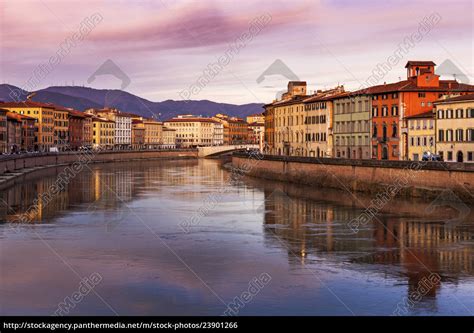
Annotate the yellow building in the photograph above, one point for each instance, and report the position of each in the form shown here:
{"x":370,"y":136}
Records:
{"x":255,"y":118}
{"x":44,"y":115}
{"x":421,"y":135}
{"x":103,"y":133}
{"x":61,"y":127}
{"x":301,"y":124}
{"x":169,"y":138}
{"x":153,"y":133}
{"x":455,"y":128}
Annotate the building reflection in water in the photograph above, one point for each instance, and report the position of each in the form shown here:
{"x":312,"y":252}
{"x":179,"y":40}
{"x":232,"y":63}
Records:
{"x":104,"y":187}
{"x":408,"y":246}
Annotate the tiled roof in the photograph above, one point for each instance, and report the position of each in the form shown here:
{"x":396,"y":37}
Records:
{"x":190,"y":120}
{"x":75,"y":113}
{"x":325,"y":97}
{"x":463,"y":98}
{"x":419,"y":63}
{"x":427,"y":114}
{"x":410,"y":85}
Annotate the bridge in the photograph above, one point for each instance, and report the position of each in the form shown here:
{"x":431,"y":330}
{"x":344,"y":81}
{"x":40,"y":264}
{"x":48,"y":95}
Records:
{"x":218,"y":150}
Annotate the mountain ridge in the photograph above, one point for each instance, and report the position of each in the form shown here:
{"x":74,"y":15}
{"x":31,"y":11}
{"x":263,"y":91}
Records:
{"x":82,"y":98}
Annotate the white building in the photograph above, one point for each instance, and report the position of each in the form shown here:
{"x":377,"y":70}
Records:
{"x":192,"y":131}
{"x":218,"y":138}
{"x":123,"y":125}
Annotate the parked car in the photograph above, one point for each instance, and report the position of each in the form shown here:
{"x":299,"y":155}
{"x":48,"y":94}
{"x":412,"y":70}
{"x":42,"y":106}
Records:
{"x":427,"y":156}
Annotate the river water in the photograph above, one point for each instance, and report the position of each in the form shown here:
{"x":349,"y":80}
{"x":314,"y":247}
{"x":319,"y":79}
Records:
{"x":182,"y":238}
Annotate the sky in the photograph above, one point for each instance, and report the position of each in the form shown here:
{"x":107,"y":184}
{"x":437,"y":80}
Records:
{"x":163,"y":49}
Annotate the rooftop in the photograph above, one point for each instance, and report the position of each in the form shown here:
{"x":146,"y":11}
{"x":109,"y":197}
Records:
{"x":463,"y":98}
{"x":427,"y":114}
{"x":419,"y":63}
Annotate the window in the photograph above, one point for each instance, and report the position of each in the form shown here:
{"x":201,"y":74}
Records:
{"x":459,"y":135}
{"x":394,"y":110}
{"x":449,"y":135}
{"x":384,"y":111}
{"x":469,"y":155}
{"x":395,"y":95}
{"x":470,"y":113}
{"x":470,"y":134}
{"x":375,"y":112}
{"x":422,"y":104}
{"x":394,"y":130}
{"x":412,"y":143}
{"x":374,"y":97}
{"x":440,"y":114}
{"x":450,"y":155}
{"x":374,"y":134}
{"x":459,"y":113}
{"x":440,"y":135}
{"x":421,"y":95}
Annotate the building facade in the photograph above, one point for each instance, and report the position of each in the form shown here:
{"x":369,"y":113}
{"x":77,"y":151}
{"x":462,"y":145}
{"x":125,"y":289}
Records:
{"x":352,"y":126}
{"x":256,"y":133}
{"x":301,"y":125}
{"x":393,"y":103}
{"x":138,"y":134}
{"x":421,"y":135}
{"x":192,"y":131}
{"x":169,"y":138}
{"x":123,"y":125}
{"x":269,"y":145}
{"x":235,"y":129}
{"x":103,"y":133}
{"x":255,"y":118}
{"x":43,"y":114}
{"x":14,"y":125}
{"x":3,"y":131}
{"x":455,"y":128}
{"x":76,"y":129}
{"x":28,"y":129}
{"x":218,"y":137}
{"x":153,"y":133}
{"x":61,"y":127}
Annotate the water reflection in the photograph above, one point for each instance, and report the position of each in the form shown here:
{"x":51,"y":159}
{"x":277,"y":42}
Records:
{"x":298,"y":235}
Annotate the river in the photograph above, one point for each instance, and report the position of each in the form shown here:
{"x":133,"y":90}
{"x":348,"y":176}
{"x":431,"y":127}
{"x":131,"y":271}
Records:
{"x":182,"y":238}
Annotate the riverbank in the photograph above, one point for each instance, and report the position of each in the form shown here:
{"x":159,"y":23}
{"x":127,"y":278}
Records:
{"x":16,"y":167}
{"x":387,"y":178}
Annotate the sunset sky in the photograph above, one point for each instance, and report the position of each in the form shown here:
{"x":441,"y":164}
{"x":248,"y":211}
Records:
{"x":164,"y":46}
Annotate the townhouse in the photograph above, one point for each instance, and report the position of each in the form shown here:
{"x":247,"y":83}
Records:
{"x":192,"y":131}
{"x":43,"y":114}
{"x":455,"y":128}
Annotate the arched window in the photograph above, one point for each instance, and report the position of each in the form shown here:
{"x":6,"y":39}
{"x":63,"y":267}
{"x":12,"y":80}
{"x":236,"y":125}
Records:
{"x":394,"y":130}
{"x":375,"y":131}
{"x":384,"y":132}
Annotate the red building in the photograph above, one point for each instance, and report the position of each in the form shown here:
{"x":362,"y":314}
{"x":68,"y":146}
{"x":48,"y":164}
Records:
{"x":76,"y":129}
{"x":28,"y":132}
{"x":391,"y":103}
{"x":13,"y":132}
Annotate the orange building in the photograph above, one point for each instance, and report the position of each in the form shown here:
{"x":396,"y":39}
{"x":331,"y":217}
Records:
{"x":391,"y":103}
